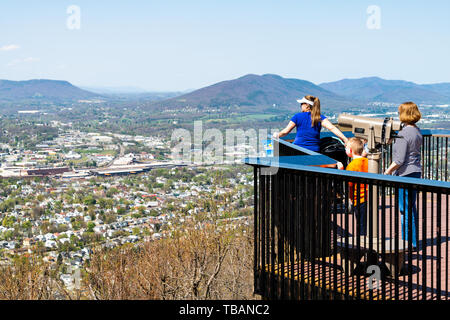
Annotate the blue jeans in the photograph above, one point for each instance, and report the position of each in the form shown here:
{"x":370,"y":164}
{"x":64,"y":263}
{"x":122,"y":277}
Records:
{"x":404,"y":205}
{"x":360,"y":213}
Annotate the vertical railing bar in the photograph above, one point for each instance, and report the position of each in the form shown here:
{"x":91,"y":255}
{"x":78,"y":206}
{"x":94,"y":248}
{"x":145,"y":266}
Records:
{"x":328,"y":235}
{"x":391,"y":222}
{"x":293,"y":226}
{"x":405,"y":229}
{"x":256,"y":231}
{"x":313,"y":234}
{"x":396,"y":234}
{"x":324,"y":215}
{"x":343,"y":240}
{"x":303,"y":235}
{"x":274,"y":206}
{"x":287,"y":236}
{"x":429,"y":158}
{"x":424,"y":158}
{"x":347,"y":274}
{"x":329,"y":232}
{"x":269,"y":251}
{"x":438,"y":262}
{"x":263,"y":213}
{"x":292,"y":238}
{"x":268,"y":213}
{"x":310,"y":239}
{"x":298,"y":234}
{"x":266,"y":209}
{"x":309,"y":212}
{"x":410,"y":216}
{"x":437,"y":158}
{"x":383,"y":238}
{"x":282,"y":232}
{"x":291,"y":235}
{"x":316,"y":237}
{"x":432,"y":243}
{"x":433,"y":157}
{"x":446,"y":254}
{"x":371,"y":217}
{"x":335,"y":229}
{"x":423,"y":155}
{"x":424,"y":245}
{"x":441,"y":162}
{"x":417,"y":223}
{"x":446,"y":160}
{"x":308,"y":242}
{"x":356,"y":214}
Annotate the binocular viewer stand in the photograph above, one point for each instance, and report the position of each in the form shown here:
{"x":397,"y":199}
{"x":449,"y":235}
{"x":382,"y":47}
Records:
{"x":372,"y":247}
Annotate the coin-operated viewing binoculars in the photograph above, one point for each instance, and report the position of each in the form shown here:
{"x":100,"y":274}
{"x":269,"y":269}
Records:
{"x":377,"y":132}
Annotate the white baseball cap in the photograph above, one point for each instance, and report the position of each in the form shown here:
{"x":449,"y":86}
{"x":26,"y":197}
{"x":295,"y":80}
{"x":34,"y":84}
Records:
{"x":304,"y":100}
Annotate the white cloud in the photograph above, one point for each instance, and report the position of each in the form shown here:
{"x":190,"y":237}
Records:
{"x":31,"y":59}
{"x":9,"y":47}
{"x":20,"y":61}
{"x":14,"y":62}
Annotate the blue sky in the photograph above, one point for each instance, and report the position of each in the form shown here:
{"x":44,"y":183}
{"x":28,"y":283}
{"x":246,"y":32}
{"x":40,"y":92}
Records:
{"x":177,"y":45}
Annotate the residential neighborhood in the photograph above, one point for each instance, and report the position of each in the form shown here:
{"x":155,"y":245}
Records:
{"x":65,"y":219}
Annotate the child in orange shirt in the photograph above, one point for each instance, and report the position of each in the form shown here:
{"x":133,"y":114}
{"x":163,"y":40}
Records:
{"x":355,"y":149}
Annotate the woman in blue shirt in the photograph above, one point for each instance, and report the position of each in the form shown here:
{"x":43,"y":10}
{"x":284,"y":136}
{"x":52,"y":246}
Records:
{"x":309,"y":122}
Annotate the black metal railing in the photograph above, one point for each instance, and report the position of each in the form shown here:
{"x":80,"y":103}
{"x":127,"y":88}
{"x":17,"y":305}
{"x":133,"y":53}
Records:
{"x":311,"y":243}
{"x":435,"y":155}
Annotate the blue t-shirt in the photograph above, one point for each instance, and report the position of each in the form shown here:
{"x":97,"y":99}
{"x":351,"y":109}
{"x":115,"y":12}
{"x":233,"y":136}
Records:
{"x":307,"y":137}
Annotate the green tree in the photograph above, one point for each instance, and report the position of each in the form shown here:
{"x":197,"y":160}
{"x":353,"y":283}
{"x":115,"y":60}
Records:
{"x":90,"y":227}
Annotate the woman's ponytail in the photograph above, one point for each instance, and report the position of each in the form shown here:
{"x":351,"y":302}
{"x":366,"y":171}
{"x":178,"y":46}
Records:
{"x":315,"y":110}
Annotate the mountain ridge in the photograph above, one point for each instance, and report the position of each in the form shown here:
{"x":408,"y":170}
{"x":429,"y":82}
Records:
{"x":376,"y":89}
{"x":42,"y":90}
{"x":250,"y":90}
{"x":256,"y":90}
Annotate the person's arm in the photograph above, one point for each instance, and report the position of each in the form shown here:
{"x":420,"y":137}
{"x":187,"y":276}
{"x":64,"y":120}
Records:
{"x":394,"y":166}
{"x":328,"y":125}
{"x":399,"y":150}
{"x":285,"y":131}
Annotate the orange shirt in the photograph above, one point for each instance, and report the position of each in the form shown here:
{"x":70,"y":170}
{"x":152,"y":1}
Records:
{"x":360,"y":165}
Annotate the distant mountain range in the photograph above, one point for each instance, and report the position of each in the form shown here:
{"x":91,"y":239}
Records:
{"x":269,"y":89}
{"x":255,"y":90}
{"x":375,"y":89}
{"x":114,"y":90}
{"x":133,"y":93}
{"x":250,"y":90}
{"x":42,"y":90}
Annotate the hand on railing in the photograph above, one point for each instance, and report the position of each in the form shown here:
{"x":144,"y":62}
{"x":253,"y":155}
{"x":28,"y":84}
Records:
{"x":340,"y":166}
